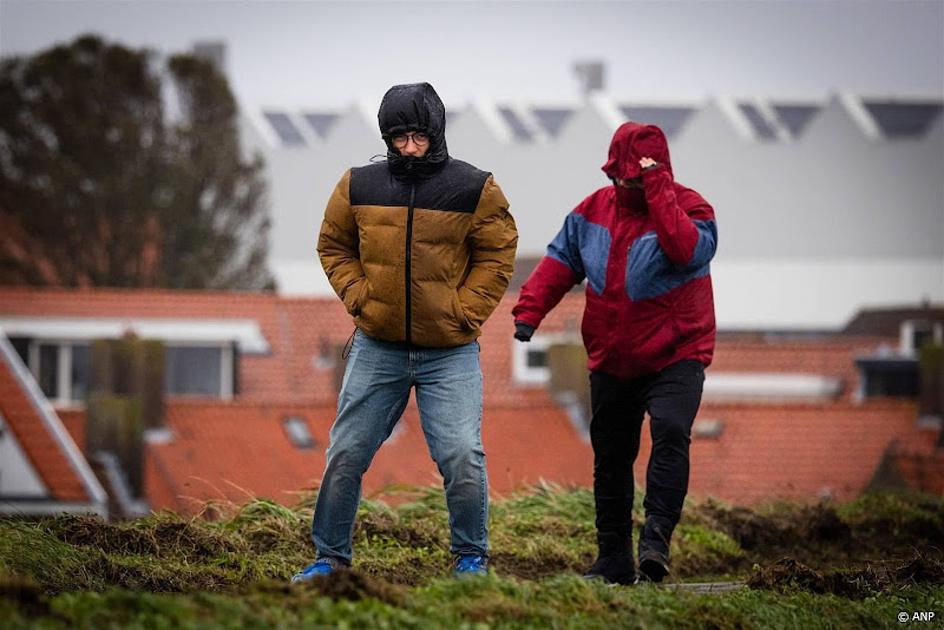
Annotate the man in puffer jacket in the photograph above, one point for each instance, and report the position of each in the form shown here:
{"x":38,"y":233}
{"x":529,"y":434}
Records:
{"x":643,"y":245}
{"x":420,"y":249}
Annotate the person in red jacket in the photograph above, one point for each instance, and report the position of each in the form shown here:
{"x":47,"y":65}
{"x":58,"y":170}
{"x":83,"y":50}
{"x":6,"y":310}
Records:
{"x":643,"y":245}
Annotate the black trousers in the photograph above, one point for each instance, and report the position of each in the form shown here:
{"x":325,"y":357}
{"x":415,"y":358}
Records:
{"x":671,"y":397}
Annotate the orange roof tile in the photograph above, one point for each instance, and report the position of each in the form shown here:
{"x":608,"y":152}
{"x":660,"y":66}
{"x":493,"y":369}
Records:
{"x":794,"y":451}
{"x":229,"y":450}
{"x":40,"y":446}
{"x":236,"y":451}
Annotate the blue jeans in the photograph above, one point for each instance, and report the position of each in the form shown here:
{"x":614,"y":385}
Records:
{"x":374,"y":393}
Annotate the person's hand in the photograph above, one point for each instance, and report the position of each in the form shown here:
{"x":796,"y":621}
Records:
{"x":647,"y":162}
{"x":523,"y":332}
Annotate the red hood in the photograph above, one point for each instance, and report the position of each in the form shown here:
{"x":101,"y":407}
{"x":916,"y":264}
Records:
{"x":631,"y":142}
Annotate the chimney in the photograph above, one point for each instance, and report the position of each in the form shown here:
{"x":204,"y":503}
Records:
{"x":591,"y":75}
{"x":126,"y":398}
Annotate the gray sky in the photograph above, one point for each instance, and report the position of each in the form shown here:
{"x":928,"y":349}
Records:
{"x":328,"y":54}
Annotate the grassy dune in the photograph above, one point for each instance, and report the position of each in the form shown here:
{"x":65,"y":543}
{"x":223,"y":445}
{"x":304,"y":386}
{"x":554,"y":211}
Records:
{"x":855,"y":565}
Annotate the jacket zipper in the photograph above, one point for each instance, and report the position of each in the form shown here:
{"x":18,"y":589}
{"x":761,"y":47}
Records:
{"x":409,"y":257}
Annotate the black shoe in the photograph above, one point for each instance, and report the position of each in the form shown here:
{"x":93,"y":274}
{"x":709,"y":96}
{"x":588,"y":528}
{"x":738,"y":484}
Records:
{"x":653,"y":566}
{"x":613,"y":570}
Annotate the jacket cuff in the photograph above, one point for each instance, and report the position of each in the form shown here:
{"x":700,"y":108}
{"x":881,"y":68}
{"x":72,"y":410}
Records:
{"x":523,"y":331}
{"x":658,"y":167}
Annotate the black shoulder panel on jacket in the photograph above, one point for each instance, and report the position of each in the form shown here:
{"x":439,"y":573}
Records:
{"x":373,"y":185}
{"x":455,"y":188}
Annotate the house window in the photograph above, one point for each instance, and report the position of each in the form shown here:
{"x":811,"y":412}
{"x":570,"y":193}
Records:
{"x":80,"y":371}
{"x":49,"y":369}
{"x":536,"y":358}
{"x":198,"y":371}
{"x":60,"y":367}
{"x":883,"y":377}
{"x":21,"y":345}
{"x":529,"y":361}
{"x":915,"y":333}
{"x":297,"y":432}
{"x":63,"y":370}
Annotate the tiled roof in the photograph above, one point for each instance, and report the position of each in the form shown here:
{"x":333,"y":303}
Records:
{"x":887,"y":321}
{"x":919,"y":458}
{"x":232,"y":450}
{"x":834,"y":357}
{"x":923,"y":472}
{"x":794,"y":451}
{"x":236,"y":451}
{"x":304,"y":335}
{"x":286,"y":375}
{"x":44,"y":451}
{"x":74,"y":422}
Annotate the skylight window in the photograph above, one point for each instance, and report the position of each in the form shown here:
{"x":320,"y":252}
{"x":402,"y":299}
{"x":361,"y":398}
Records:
{"x":903,"y":120}
{"x":669,"y":119}
{"x":552,"y":119}
{"x":519,"y":129}
{"x":297,"y":432}
{"x":762,"y":128}
{"x":795,"y":117}
{"x":284,"y":128}
{"x":321,"y":123}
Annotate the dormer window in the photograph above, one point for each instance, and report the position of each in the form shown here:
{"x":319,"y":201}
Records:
{"x":916,"y":332}
{"x":529,"y":361}
{"x":199,"y":370}
{"x":201,"y":355}
{"x":61,"y":368}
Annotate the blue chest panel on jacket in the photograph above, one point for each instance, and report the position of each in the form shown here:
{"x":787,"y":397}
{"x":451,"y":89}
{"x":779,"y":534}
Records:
{"x":649,"y":273}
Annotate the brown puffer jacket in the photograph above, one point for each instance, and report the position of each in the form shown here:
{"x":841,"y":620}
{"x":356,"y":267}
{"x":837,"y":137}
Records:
{"x":421,"y":261}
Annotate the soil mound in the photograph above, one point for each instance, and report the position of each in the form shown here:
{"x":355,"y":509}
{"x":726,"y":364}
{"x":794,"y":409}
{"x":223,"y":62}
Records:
{"x":789,"y":574}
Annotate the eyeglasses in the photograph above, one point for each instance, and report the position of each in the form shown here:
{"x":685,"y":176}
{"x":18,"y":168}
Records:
{"x":419,"y":138}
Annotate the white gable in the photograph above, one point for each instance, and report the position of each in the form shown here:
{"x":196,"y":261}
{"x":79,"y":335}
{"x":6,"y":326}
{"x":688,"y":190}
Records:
{"x":18,"y":477}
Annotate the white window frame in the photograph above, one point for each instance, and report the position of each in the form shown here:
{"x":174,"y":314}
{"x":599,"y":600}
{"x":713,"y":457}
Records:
{"x":63,"y":398}
{"x":16,"y":464}
{"x":521,"y":374}
{"x":226,"y":367}
{"x":245,"y":332}
{"x":908,"y":328}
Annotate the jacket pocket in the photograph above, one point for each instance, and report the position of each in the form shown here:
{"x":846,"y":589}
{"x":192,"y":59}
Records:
{"x":459,"y":312}
{"x":357,"y":295}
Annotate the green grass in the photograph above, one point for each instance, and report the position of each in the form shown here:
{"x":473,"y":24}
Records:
{"x":562,"y":602}
{"x":170,"y":571}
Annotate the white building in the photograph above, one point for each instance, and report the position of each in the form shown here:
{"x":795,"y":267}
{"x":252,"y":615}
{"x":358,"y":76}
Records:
{"x":823,"y":207}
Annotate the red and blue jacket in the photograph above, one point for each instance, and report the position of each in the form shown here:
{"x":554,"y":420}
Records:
{"x":645,"y":255}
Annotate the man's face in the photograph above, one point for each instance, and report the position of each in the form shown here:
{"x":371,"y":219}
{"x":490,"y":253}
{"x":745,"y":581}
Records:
{"x":411,"y":143}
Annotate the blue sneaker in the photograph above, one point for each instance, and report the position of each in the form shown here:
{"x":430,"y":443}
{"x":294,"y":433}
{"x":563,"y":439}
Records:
{"x":324,"y":566}
{"x":471,"y":565}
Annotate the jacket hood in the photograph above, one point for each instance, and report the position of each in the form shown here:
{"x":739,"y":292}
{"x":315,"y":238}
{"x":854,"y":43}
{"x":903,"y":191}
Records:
{"x":414,"y":107}
{"x":631,"y":142}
